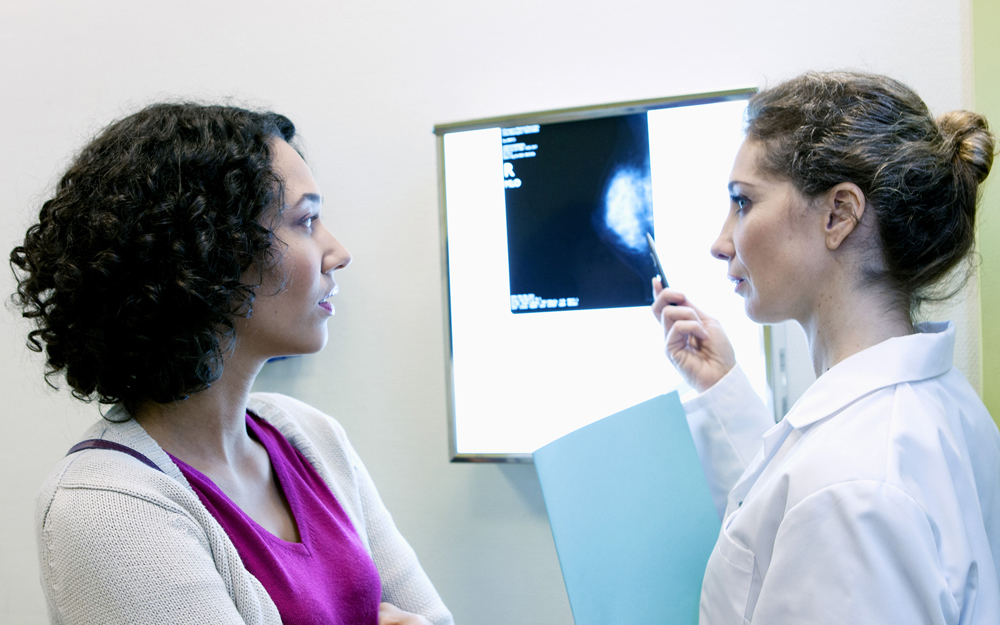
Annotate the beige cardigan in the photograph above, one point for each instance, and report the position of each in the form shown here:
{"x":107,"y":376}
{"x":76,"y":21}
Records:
{"x":120,"y":542}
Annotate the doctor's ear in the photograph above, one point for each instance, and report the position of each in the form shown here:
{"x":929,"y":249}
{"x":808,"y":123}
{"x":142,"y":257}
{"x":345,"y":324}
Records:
{"x":843,"y":207}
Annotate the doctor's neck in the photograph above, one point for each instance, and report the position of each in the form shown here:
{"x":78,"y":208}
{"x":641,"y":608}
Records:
{"x":847,"y":319}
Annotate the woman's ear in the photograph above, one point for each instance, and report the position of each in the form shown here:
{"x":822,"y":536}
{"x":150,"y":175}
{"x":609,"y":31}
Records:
{"x":844,"y":205}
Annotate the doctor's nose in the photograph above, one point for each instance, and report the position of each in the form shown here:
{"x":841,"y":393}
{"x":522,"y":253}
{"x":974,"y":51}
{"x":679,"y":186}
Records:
{"x":723,"y":247}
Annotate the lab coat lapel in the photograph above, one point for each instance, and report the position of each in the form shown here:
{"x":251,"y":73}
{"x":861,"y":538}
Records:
{"x":772,"y":441}
{"x":925,"y":354}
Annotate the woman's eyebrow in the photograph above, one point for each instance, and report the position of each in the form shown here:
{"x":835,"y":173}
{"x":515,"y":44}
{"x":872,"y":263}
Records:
{"x":312,"y":198}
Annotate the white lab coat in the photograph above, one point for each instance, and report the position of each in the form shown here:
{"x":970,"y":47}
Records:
{"x":875,"y":500}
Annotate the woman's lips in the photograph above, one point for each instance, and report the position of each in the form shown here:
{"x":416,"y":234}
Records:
{"x":327,"y":306}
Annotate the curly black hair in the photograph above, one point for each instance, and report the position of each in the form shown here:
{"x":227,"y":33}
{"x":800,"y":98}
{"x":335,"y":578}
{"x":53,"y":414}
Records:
{"x":138,"y":266}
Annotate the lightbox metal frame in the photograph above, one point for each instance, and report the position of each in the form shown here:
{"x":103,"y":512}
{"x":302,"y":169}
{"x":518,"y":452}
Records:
{"x":541,"y":117}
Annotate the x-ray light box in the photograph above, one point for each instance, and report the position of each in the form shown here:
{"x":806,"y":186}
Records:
{"x":547,"y":273}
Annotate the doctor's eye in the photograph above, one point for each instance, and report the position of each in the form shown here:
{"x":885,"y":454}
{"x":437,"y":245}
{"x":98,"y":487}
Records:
{"x":741,"y":201}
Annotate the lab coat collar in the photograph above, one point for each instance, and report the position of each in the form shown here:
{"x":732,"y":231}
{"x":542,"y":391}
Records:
{"x":926,"y":353}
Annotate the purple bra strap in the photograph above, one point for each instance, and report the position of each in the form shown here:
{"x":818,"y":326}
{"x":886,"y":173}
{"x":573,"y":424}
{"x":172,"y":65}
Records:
{"x":95,"y":443}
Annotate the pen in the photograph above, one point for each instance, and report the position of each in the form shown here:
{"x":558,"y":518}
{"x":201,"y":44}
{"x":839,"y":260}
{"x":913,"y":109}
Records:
{"x":656,"y":261}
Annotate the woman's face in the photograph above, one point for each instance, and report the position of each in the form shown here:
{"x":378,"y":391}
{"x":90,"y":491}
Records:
{"x":292,"y":305}
{"x":773,"y":241}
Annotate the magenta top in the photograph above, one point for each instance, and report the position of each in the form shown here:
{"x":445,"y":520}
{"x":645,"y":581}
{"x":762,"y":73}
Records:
{"x":329,"y":577}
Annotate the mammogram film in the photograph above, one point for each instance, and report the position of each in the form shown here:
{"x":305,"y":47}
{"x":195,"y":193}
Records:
{"x":579,"y":204}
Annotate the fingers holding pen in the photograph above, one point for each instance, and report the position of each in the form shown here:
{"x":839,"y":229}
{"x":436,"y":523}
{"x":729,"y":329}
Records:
{"x":694,"y":341}
{"x":678,"y":317}
{"x":682,"y":320}
{"x":665,"y":297}
{"x":684,"y":331}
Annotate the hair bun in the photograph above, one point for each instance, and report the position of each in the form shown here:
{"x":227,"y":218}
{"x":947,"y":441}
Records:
{"x":970,"y":140}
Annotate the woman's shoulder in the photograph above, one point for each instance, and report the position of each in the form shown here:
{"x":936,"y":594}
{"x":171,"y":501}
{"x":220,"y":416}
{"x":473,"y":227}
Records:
{"x":93,"y":485}
{"x":102,"y":468}
{"x":107,"y":524}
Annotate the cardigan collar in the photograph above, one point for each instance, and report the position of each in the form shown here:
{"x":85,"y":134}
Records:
{"x":118,"y":426}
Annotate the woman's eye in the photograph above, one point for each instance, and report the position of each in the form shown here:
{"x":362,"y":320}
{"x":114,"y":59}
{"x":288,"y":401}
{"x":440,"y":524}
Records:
{"x":741,"y":202}
{"x":307,"y":221}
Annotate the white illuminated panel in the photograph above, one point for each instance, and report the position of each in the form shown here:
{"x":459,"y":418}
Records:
{"x":523,"y":380}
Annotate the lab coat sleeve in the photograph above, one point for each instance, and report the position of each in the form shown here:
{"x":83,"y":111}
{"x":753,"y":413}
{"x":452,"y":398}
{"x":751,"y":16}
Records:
{"x":856,"y":552}
{"x":727,"y":422}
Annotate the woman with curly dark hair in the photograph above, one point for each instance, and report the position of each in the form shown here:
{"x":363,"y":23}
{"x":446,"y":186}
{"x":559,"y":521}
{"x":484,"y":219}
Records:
{"x":877,"y":498}
{"x":183,"y":248}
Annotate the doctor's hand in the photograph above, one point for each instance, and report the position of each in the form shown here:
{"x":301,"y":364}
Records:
{"x":694,"y":342}
{"x":389,"y":614}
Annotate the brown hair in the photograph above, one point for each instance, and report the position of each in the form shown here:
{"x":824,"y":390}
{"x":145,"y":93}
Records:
{"x":920,"y":175}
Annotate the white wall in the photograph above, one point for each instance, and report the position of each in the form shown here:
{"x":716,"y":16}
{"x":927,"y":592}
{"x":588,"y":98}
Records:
{"x":365,"y":81}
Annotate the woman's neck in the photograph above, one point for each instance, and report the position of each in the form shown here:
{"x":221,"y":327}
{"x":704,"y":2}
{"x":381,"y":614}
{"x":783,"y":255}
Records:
{"x":208,"y":429}
{"x":849,"y":321}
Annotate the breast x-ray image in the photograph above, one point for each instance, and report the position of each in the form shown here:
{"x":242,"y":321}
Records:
{"x":579,"y":204}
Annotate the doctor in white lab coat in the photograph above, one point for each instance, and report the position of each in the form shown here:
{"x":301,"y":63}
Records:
{"x":877,"y":498}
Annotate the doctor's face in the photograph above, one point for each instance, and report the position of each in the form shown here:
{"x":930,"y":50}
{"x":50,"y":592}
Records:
{"x":771,"y":242}
{"x":293,"y":302}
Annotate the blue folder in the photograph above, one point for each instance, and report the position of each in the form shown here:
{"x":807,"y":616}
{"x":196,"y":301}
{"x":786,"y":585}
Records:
{"x":631,"y":515}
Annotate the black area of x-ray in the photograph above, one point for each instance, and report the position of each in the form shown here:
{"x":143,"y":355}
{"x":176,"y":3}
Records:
{"x":579,"y":205}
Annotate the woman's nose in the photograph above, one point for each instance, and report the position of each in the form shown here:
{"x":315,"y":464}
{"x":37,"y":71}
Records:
{"x":335,"y":256}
